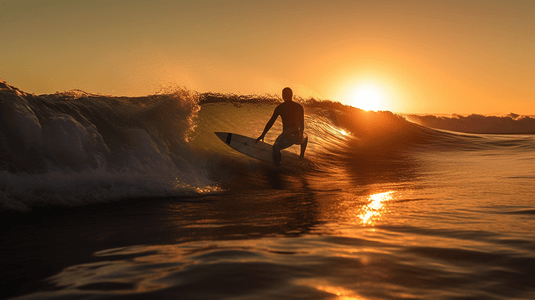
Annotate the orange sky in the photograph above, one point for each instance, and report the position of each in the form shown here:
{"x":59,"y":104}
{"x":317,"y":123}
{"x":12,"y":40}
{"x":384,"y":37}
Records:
{"x":417,"y":56}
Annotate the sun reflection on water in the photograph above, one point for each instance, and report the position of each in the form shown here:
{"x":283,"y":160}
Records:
{"x":339,"y":292}
{"x":374,"y":209}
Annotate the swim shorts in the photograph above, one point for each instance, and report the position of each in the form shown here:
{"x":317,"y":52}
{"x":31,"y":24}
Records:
{"x":286,"y":140}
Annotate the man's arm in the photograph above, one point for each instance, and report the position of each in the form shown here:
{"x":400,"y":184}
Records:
{"x":302,"y":121}
{"x":269,"y":124}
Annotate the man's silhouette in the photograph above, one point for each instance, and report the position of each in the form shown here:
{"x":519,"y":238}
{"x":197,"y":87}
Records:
{"x":293,"y":123}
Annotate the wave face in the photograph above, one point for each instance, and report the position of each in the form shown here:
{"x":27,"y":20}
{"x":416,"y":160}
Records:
{"x":74,"y":148}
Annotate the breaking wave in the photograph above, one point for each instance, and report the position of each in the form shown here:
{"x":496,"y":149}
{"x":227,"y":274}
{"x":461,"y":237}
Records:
{"x":74,"y":148}
{"x":510,"y":124}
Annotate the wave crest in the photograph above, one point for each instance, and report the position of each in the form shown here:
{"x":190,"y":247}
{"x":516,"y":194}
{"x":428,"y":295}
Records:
{"x":510,"y":124}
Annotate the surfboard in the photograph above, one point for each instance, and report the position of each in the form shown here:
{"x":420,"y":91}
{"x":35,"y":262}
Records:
{"x":249,"y":146}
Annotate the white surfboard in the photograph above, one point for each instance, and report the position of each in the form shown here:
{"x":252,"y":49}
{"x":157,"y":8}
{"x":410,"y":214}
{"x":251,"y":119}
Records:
{"x":248,"y":146}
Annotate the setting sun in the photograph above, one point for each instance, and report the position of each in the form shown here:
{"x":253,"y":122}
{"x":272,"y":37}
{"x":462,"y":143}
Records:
{"x":366,"y":99}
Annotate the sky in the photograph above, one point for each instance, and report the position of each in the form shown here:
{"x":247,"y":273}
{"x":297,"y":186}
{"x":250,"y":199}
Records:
{"x":422,"y":57}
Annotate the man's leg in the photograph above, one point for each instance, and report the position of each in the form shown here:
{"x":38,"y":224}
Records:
{"x":277,"y":156}
{"x":282,"y":142}
{"x":304,"y":146}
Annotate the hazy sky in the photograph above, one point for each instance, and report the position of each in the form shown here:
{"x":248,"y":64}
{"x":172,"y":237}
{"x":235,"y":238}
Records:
{"x":416,"y":56}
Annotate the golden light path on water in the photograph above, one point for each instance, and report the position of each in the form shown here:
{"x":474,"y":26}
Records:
{"x":373,"y":210}
{"x":370,"y":213}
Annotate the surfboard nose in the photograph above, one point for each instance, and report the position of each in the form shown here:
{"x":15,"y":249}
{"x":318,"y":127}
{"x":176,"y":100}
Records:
{"x":224,"y":136}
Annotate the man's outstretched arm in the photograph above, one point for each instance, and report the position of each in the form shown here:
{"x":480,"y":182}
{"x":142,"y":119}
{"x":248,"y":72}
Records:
{"x":269,"y":125}
{"x":302,"y":124}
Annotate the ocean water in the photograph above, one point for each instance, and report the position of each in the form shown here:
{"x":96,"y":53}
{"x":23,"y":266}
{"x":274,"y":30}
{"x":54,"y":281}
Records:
{"x":135,"y":198}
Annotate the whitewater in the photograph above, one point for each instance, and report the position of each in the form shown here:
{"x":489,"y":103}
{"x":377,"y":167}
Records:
{"x":136,"y":197}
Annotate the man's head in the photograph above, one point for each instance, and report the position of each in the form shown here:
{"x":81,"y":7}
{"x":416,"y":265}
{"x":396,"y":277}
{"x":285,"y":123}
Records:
{"x":287,"y":94}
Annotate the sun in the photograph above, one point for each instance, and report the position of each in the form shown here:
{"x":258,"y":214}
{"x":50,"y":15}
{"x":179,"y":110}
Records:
{"x":366,"y":99}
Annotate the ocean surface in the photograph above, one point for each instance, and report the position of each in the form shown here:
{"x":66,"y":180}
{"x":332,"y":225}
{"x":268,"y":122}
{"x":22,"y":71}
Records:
{"x":136,"y":198}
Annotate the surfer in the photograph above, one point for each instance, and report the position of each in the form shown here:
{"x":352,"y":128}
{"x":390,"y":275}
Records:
{"x":293,"y":124}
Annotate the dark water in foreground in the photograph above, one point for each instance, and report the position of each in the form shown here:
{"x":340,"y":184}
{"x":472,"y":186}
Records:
{"x":138,"y":205}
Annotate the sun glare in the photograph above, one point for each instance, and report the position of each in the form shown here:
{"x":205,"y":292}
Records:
{"x":374,"y":209}
{"x":366,"y":99}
